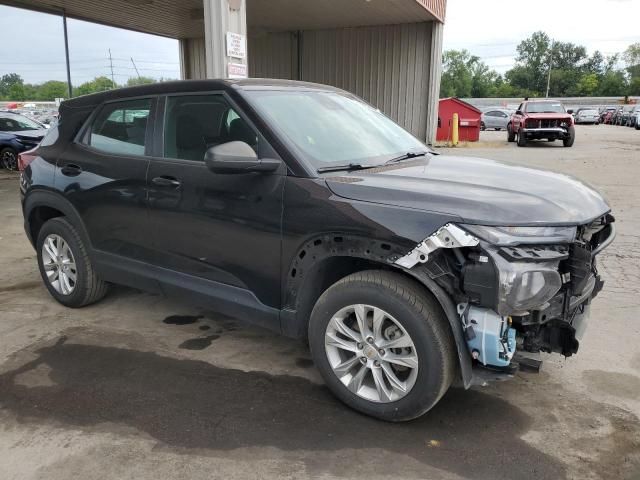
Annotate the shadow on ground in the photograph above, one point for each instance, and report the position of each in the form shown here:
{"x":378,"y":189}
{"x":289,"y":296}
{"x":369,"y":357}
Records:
{"x":194,"y":405}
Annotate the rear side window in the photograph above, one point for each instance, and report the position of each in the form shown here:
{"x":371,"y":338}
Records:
{"x":195,"y":123}
{"x":120,"y":128}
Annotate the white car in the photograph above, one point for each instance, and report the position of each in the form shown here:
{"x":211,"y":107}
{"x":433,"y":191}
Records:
{"x":588,"y":116}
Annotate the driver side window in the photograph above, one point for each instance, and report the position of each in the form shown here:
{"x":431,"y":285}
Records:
{"x":195,"y":123}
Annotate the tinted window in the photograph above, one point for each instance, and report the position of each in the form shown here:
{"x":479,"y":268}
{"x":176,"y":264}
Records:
{"x":120,"y":128}
{"x":195,"y":123}
{"x":17,"y":123}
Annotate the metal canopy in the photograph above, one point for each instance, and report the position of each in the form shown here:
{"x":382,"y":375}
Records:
{"x":185,"y":18}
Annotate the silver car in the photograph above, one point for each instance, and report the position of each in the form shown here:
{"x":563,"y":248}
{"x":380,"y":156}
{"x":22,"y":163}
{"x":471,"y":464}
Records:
{"x":496,"y":118}
{"x":588,"y":116}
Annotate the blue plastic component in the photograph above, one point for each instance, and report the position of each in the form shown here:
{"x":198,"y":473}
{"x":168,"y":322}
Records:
{"x":490,"y":339}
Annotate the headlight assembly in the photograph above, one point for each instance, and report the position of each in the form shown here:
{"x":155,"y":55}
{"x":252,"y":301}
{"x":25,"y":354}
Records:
{"x":508,"y":236}
{"x":524,"y":286}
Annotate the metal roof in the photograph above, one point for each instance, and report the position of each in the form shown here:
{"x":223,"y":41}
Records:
{"x":184,"y":19}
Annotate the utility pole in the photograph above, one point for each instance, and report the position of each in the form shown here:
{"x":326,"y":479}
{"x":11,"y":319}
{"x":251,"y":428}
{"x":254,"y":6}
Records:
{"x":113,"y":81}
{"x":134,"y":66}
{"x":549,"y":73}
{"x":66,"y":52}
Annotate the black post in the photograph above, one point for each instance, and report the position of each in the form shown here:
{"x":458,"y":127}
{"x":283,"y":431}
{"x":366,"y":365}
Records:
{"x":66,"y":51}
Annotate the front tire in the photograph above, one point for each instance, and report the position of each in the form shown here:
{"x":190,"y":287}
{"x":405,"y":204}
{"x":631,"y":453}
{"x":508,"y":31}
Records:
{"x":522,"y":140}
{"x":65,"y":266}
{"x":9,"y":158}
{"x":568,"y":142}
{"x":382,"y":345}
{"x":511,"y":136}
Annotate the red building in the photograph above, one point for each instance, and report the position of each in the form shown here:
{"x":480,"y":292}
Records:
{"x":468,"y":116}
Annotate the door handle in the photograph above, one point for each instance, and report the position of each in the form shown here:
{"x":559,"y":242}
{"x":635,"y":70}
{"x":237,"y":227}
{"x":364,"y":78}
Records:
{"x":165,"y":181}
{"x":71,"y":169}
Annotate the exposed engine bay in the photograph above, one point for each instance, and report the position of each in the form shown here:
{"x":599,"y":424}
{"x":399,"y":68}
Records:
{"x":517,"y":288}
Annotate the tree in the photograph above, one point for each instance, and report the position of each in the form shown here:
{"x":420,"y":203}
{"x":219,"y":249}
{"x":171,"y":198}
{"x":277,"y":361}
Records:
{"x":9,"y":81}
{"x":612,"y":83}
{"x":51,"y":90}
{"x":532,"y":64}
{"x":464,"y":75}
{"x":631,"y":57}
{"x":588,"y":85}
{"x":98,"y":84}
{"x":140,"y":81}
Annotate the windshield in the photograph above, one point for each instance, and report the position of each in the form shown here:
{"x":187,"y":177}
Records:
{"x":588,"y":112}
{"x":332,"y":128}
{"x":17,"y":123}
{"x":544,"y":107}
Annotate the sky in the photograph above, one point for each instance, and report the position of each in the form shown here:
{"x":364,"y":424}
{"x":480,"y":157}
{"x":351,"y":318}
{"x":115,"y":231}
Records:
{"x":38,"y":49}
{"x":490,"y":29}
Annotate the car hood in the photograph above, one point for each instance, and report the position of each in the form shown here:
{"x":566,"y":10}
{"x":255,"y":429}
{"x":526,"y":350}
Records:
{"x":31,"y":134}
{"x":476,"y":191}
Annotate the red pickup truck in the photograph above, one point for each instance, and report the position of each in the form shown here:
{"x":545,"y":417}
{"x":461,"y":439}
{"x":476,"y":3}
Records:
{"x":541,"y":119}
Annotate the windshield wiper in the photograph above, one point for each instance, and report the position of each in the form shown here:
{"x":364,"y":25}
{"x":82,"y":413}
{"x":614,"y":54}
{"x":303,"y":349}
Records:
{"x":407,"y":156}
{"x":348,"y":166}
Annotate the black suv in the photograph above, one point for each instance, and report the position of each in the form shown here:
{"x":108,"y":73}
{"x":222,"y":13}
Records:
{"x":305,"y":210}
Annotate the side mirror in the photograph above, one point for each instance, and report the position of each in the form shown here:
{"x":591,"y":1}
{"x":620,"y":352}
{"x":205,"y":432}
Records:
{"x":570,"y":112}
{"x":518,"y":112}
{"x":237,"y":157}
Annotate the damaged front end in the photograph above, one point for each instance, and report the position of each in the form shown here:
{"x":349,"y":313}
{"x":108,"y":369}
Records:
{"x":516,"y":288}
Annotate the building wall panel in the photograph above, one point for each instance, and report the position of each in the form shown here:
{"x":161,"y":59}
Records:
{"x":386,"y":65}
{"x":273,"y":55}
{"x":193,"y":61}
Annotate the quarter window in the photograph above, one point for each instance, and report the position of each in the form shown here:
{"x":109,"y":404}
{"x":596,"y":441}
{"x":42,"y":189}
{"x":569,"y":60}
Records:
{"x":120,"y":128}
{"x":195,"y":123}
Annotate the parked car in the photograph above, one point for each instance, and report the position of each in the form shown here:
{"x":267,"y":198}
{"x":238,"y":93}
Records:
{"x":632,"y":120}
{"x":305,"y":210}
{"x":541,"y":119}
{"x":17,"y":134}
{"x":606,"y":115}
{"x":635,"y":120}
{"x":495,"y":118}
{"x":590,"y":116}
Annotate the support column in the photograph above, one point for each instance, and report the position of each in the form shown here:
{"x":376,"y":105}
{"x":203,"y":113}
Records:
{"x":221,"y":17}
{"x":435,"y":73}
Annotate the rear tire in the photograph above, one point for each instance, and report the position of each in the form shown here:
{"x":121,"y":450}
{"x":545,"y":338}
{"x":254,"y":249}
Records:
{"x":551,"y":139}
{"x":72,"y":281}
{"x":482,"y":126}
{"x":522,"y":140}
{"x":568,"y":142}
{"x":9,"y":158}
{"x":403,"y":303}
{"x":511,"y":136}
{"x":498,"y":129}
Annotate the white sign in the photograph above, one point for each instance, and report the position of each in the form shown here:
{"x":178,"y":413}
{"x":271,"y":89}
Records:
{"x":237,"y":70}
{"x":236,"y":45}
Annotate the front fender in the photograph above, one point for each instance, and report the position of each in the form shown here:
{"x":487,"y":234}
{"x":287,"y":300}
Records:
{"x":304,"y":273}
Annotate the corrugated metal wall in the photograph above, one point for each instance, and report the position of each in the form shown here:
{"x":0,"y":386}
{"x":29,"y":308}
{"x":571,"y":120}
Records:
{"x":386,"y":65}
{"x":193,"y":61}
{"x":273,"y":55}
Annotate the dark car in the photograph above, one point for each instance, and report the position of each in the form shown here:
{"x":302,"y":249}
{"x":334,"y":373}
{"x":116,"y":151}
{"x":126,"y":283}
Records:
{"x":541,"y":120}
{"x":302,"y":209}
{"x":17,"y":134}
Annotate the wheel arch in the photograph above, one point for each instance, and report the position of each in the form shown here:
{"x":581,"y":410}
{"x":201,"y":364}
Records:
{"x":322,"y":261}
{"x":42,"y":205}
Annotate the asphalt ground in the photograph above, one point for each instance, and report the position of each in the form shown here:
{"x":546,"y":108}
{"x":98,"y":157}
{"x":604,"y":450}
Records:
{"x":141,"y":387}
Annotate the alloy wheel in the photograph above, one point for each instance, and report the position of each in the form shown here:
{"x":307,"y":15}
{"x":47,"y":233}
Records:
{"x":59,"y":264}
{"x":9,"y":160}
{"x":371,"y":353}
